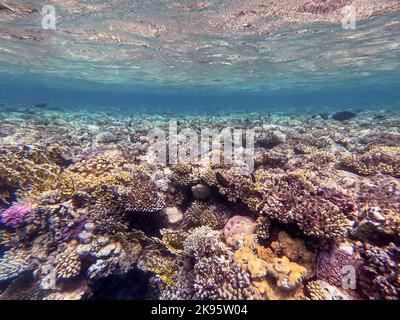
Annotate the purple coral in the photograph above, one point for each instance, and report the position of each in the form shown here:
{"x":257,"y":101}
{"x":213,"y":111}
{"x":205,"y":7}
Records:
{"x":330,"y":264}
{"x":15,"y":215}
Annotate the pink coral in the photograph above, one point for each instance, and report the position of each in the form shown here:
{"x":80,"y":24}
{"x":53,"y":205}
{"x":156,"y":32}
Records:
{"x":330,"y":264}
{"x":15,"y":215}
{"x":239,"y":225}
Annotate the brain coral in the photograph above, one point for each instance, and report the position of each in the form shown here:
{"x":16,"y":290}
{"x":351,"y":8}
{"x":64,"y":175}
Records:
{"x":239,"y":225}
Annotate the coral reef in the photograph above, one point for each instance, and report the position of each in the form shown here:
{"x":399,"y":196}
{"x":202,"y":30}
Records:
{"x":380,"y":159}
{"x":292,"y":198}
{"x":81,"y":207}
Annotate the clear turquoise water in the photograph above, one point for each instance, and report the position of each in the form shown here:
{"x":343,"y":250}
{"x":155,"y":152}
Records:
{"x":301,"y":65}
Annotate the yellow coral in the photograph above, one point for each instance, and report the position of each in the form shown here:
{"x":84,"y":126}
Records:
{"x":68,"y":263}
{"x":288,"y":275}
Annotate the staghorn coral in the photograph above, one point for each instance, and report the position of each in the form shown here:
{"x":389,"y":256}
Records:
{"x":15,"y":215}
{"x":209,"y":213}
{"x":14,"y":262}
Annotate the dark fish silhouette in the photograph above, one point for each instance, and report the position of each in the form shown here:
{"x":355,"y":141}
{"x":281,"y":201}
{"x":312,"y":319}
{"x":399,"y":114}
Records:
{"x":343,"y":115}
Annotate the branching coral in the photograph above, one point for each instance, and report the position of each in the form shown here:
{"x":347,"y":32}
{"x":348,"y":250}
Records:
{"x":214,"y":274}
{"x":375,"y":223}
{"x":68,"y":263}
{"x":209,"y":213}
{"x":382,"y":272}
{"x":6,"y":238}
{"x":190,"y":175}
{"x":141,"y":195}
{"x":292,"y":198}
{"x":30,"y":167}
{"x":236,"y":186}
{"x":383,"y":159}
{"x":99,"y":165}
{"x":14,"y":262}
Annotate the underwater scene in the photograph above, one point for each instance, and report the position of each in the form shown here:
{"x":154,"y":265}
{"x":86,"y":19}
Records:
{"x":200,"y":150}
